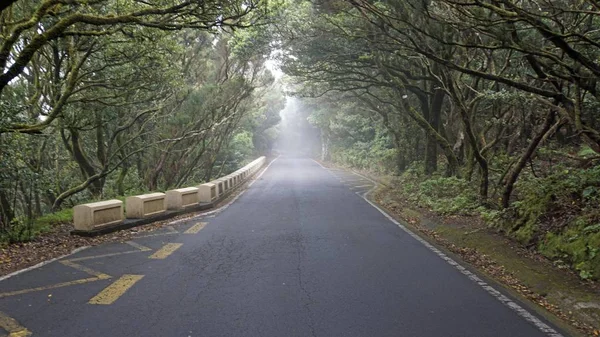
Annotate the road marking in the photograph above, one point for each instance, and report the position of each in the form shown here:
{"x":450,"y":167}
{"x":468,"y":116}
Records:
{"x":13,"y":327}
{"x":41,"y":264}
{"x":140,"y":247}
{"x":362,"y":186}
{"x":84,"y":269}
{"x":105,"y":255}
{"x":251,"y":180}
{"x":166,"y":250}
{"x":519,"y":310}
{"x":196,"y":228}
{"x":115,"y":290}
{"x":545,"y":328}
{"x":71,"y":263}
{"x":258,"y":176}
{"x":171,"y":231}
{"x":54,"y":286}
{"x":157,"y":234}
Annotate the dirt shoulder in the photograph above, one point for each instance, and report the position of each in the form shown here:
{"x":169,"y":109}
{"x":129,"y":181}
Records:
{"x":554,"y":292}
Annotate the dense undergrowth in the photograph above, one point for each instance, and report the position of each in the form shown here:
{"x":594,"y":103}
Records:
{"x":27,"y":228}
{"x":558,"y":215}
{"x":24,"y":229}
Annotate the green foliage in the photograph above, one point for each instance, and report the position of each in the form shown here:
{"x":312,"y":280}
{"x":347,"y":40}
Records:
{"x":448,"y":195}
{"x":131,"y":107}
{"x":18,"y":231}
{"x":22,"y":229}
{"x":374,"y":156}
{"x":586,"y":151}
{"x":48,"y":220}
{"x":567,"y":188}
{"x":444,"y":195}
{"x":241,"y":146}
{"x":560,"y":214}
{"x":376,"y":110}
{"x":578,"y":246}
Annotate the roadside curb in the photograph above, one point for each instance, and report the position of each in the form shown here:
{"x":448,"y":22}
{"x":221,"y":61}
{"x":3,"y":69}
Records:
{"x":43,"y":263}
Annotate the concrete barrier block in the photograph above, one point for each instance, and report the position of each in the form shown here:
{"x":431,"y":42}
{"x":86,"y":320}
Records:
{"x":220,"y":187}
{"x":145,"y":205}
{"x":207,"y":192}
{"x":226,"y":185}
{"x":87,"y":217}
{"x":182,"y":198}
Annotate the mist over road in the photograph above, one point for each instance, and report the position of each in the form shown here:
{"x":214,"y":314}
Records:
{"x":300,"y":253}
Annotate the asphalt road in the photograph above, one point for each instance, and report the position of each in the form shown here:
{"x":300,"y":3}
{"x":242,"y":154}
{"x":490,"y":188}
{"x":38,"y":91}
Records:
{"x":300,"y":253}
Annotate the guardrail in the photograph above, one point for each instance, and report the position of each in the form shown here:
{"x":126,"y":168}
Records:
{"x":107,"y":216}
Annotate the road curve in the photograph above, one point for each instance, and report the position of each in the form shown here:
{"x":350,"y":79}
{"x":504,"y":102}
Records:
{"x":298,"y":254}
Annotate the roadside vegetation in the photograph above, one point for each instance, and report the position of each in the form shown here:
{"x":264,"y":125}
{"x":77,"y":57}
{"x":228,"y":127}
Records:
{"x":483,"y":108}
{"x":103,"y":99}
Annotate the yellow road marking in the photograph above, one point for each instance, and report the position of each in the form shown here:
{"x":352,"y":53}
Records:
{"x":166,"y":250}
{"x":54,"y":286}
{"x":138,"y":246}
{"x":196,"y":228}
{"x":105,"y":255}
{"x":13,"y":327}
{"x":85,"y":269}
{"x":115,"y":290}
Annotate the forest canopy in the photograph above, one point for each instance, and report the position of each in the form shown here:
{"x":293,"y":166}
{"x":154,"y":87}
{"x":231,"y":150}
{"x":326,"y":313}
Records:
{"x":496,"y":99}
{"x":480,"y":107}
{"x":108,"y":98}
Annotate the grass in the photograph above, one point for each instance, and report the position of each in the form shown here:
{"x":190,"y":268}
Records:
{"x":23,"y":230}
{"x":56,"y":218}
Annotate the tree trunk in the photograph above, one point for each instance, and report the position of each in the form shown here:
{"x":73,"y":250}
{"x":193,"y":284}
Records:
{"x":86,"y":167}
{"x":513,"y":175}
{"x":66,"y":194}
{"x":433,"y":118}
{"x":441,"y":141}
{"x":6,"y":211}
{"x":483,"y":164}
{"x":121,"y":179}
{"x":325,"y":146}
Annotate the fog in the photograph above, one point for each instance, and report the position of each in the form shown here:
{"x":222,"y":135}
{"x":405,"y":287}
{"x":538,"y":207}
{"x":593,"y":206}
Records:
{"x":297,"y":136}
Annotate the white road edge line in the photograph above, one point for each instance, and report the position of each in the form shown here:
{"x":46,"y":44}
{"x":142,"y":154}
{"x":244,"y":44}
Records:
{"x":43,"y":263}
{"x":222,"y":208}
{"x":543,"y":327}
